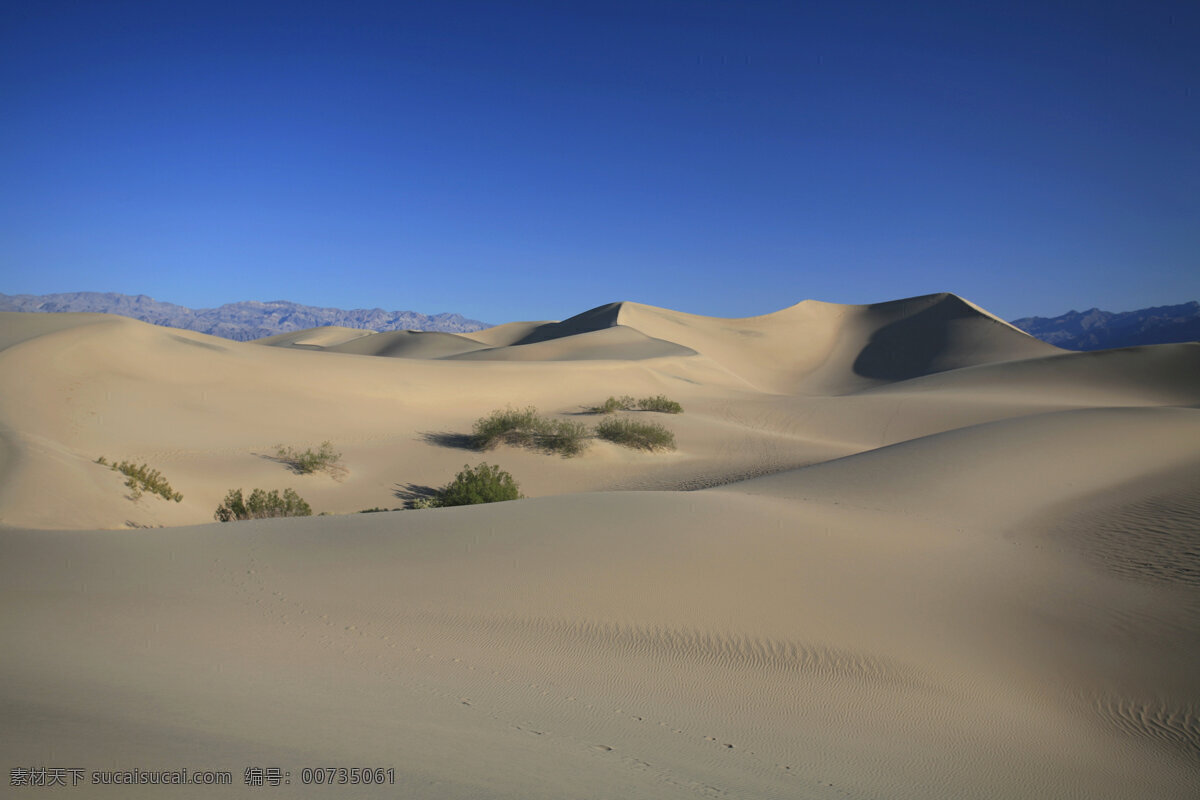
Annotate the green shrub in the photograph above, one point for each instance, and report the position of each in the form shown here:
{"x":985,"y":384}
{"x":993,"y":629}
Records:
{"x":507,"y":426}
{"x":324,"y":458}
{"x":641,"y":435}
{"x":523,"y":427}
{"x":262,"y":505}
{"x":563,"y":436}
{"x":626,"y":403}
{"x":660,"y":403}
{"x":482,"y":484}
{"x":623,"y":403}
{"x":140,"y":478}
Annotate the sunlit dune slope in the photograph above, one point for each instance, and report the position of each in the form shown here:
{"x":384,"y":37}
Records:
{"x":327,"y":336}
{"x":801,"y":635}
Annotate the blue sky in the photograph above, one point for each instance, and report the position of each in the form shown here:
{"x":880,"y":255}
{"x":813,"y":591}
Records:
{"x":530,"y":160}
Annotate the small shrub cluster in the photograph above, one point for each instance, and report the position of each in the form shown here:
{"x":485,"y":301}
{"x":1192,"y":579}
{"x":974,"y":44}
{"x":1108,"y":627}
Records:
{"x":640,"y":435}
{"x":484,"y":483}
{"x":660,"y":403}
{"x":525,"y":428}
{"x":613,"y":404}
{"x":324,"y":458}
{"x":262,"y":505}
{"x":140,"y":478}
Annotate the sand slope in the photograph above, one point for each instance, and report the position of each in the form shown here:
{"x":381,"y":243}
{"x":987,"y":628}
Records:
{"x":938,"y":560}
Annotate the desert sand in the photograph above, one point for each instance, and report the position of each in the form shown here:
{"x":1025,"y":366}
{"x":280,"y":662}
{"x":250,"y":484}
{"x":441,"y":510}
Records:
{"x":903,"y":550}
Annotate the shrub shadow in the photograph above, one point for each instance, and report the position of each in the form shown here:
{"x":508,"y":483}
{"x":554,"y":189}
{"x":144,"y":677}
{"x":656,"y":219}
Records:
{"x":410,"y":493}
{"x":457,"y":441}
{"x":336,"y":470}
{"x":287,"y":462}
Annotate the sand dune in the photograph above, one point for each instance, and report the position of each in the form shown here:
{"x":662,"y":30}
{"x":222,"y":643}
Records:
{"x":315,"y":338}
{"x":812,"y":347}
{"x":618,"y":343}
{"x":932,"y":558}
{"x":824,"y":347}
{"x":410,"y":344}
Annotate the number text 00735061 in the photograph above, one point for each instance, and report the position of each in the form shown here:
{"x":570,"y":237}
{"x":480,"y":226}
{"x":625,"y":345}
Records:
{"x":347,"y":775}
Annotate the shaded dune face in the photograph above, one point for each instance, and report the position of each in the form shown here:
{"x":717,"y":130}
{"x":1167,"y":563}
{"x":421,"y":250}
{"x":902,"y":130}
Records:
{"x":910,"y":338}
{"x":410,"y":344}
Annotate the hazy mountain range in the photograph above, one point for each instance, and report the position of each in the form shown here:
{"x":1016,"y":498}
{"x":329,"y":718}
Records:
{"x":240,"y":321}
{"x":1099,"y":330}
{"x":1076,"y":330}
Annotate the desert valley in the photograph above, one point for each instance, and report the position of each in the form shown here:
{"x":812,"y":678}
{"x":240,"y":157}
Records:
{"x":900,"y":550}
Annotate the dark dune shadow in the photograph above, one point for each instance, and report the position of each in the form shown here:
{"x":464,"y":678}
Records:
{"x":458,"y":441}
{"x":909,"y":346}
{"x":604,"y":316}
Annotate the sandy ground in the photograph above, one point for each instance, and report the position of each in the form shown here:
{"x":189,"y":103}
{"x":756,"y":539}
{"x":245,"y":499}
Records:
{"x":902,"y":551}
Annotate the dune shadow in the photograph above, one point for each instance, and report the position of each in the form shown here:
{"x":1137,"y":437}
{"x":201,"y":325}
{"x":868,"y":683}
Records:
{"x":410,"y":493}
{"x":457,"y":441}
{"x":910,"y":346}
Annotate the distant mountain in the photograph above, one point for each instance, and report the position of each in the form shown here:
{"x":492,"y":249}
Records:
{"x":241,"y":321}
{"x":1100,"y":330}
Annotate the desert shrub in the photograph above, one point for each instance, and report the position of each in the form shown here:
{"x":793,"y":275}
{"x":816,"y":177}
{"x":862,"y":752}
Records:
{"x":660,"y":403}
{"x":262,"y":505}
{"x":377,"y":509}
{"x":140,"y":478}
{"x":623,"y":403}
{"x":641,"y":435}
{"x":425,"y":502}
{"x":562,"y":436}
{"x":323,"y":458}
{"x":626,"y":403}
{"x":523,"y":427}
{"x":482,"y":484}
{"x":507,"y":426}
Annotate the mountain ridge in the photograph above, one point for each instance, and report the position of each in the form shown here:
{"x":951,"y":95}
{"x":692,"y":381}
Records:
{"x":1095,"y":329}
{"x":241,"y":321}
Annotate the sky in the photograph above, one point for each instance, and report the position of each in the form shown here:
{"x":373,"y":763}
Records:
{"x":531,"y":160}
